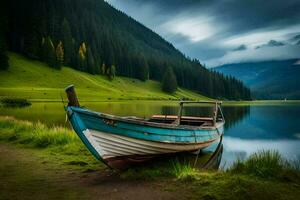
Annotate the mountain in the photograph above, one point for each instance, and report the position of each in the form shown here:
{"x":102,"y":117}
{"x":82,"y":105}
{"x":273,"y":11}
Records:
{"x":92,"y":36}
{"x":268,"y":79}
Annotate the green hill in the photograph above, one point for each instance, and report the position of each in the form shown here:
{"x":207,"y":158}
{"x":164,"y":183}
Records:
{"x":94,"y":37}
{"x":36,"y":81}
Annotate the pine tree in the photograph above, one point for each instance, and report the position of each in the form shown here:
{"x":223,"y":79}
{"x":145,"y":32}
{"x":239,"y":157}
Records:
{"x":44,"y":51}
{"x":112,"y":72}
{"x":90,"y":62}
{"x":103,"y":69}
{"x":67,"y":41}
{"x":74,"y":55}
{"x":32,"y":45}
{"x":49,"y":53}
{"x":3,"y":57}
{"x":143,"y":72}
{"x":83,"y":48}
{"x":169,"y":82}
{"x":59,"y":55}
{"x":97,"y":64}
{"x":3,"y":54}
{"x":82,"y":57}
{"x":32,"y":37}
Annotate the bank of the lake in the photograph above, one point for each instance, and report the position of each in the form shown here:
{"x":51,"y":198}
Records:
{"x":248,"y":128}
{"x":64,"y":168}
{"x":262,"y":103}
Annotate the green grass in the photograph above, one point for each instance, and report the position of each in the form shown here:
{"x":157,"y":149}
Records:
{"x":262,"y":103}
{"x":59,"y":144}
{"x":267,"y":164}
{"x":264,"y":175}
{"x":36,"y":134}
{"x":183,"y":170}
{"x":35,"y":81}
{"x":61,"y":140}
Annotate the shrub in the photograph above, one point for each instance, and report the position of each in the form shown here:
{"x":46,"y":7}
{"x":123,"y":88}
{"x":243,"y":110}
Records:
{"x":183,"y":170}
{"x":16,"y":102}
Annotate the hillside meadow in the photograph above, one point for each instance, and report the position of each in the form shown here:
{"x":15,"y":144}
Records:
{"x":36,"y":81}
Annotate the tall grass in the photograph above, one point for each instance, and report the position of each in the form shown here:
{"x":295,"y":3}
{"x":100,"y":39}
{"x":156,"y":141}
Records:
{"x":35,"y":134}
{"x":267,"y":164}
{"x":55,"y":144}
{"x":161,"y":167}
{"x":183,"y":170}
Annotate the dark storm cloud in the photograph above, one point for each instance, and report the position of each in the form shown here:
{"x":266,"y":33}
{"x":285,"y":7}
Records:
{"x":271,"y":43}
{"x":211,"y":29}
{"x":240,"y":14}
{"x":169,"y":5}
{"x":253,"y":14}
{"x":240,"y":48}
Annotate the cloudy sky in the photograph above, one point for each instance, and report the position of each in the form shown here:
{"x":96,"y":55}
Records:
{"x":223,"y":31}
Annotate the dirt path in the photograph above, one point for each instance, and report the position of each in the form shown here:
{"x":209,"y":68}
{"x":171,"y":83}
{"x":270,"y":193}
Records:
{"x":25,"y":175}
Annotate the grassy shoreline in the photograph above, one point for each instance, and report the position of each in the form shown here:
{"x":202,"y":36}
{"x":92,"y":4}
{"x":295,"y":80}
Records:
{"x":262,"y":103}
{"x":55,"y":140}
{"x":224,"y":102}
{"x":265,"y":175}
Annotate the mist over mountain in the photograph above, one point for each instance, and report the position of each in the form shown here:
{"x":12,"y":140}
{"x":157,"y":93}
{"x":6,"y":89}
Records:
{"x":268,"y":79}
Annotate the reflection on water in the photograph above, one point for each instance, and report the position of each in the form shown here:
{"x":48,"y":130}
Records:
{"x":53,"y":113}
{"x":264,"y":128}
{"x":247,"y":129}
{"x":235,"y":114}
{"x":232,"y":114}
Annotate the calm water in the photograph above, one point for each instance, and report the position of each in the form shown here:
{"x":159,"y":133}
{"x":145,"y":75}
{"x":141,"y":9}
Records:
{"x":248,"y":128}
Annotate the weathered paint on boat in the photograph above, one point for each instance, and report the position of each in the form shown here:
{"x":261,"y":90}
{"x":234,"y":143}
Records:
{"x":114,"y":139}
{"x":119,"y":140}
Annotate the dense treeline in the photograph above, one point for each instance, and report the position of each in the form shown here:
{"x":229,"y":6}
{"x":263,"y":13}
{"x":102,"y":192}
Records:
{"x":92,"y":36}
{"x":3,"y":30}
{"x":169,"y":81}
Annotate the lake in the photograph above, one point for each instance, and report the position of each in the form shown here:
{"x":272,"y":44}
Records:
{"x":248,"y":128}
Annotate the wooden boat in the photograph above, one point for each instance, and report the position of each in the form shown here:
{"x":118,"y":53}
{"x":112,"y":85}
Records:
{"x":118,"y":141}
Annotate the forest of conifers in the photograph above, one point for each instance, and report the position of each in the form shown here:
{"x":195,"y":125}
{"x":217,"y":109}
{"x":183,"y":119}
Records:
{"x":92,"y":36}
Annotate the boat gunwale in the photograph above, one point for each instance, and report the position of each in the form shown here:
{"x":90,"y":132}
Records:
{"x":141,"y":121}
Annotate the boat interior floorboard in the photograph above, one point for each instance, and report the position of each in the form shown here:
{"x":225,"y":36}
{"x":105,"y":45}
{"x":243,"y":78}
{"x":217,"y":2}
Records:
{"x":185,"y":120}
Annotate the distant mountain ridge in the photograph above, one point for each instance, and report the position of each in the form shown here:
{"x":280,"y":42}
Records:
{"x":268,"y":79}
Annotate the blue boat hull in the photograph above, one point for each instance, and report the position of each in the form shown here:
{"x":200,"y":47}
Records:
{"x":117,"y":139}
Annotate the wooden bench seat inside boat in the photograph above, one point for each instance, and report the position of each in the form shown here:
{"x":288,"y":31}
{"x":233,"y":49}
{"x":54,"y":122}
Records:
{"x":185,"y":120}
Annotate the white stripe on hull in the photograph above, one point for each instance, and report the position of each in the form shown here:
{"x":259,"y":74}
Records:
{"x":111,"y":145}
